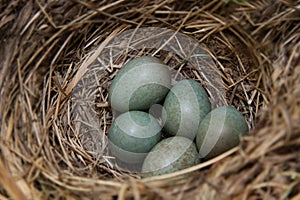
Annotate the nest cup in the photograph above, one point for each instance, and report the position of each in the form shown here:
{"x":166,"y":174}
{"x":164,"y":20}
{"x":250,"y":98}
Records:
{"x":182,"y":52}
{"x":56,"y":114}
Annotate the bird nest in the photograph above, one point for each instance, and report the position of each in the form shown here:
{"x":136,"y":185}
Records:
{"x":58,"y":59}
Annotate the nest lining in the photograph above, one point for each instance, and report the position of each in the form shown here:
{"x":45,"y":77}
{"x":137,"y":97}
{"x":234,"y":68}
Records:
{"x":236,"y":93}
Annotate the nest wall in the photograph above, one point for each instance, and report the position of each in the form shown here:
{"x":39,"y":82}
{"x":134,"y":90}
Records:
{"x":255,"y":46}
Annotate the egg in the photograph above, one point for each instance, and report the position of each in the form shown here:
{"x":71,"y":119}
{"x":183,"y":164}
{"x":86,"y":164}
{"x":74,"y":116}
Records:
{"x":220,"y":131}
{"x":184,"y":108}
{"x":170,"y":155}
{"x":132,"y":135}
{"x":140,"y":83}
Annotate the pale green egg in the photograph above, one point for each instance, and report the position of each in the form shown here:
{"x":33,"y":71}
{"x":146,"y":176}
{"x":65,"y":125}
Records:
{"x":185,"y":107}
{"x":132,"y":135}
{"x":140,"y":83}
{"x":170,"y":155}
{"x":220,"y":131}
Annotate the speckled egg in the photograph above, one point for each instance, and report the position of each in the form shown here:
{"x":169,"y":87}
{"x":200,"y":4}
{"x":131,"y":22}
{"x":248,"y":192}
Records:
{"x":170,"y":155}
{"x":220,"y":131}
{"x":132,"y":135}
{"x":140,"y":83}
{"x":185,"y":107}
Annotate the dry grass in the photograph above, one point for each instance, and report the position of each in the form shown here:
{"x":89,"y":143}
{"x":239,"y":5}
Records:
{"x":44,"y":46}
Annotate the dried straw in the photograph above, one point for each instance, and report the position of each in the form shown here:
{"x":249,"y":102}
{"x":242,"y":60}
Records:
{"x":255,"y":46}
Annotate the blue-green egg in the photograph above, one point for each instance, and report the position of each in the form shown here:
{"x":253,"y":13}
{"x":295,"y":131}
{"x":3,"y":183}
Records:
{"x":185,"y":106}
{"x":140,"y":83}
{"x":220,"y":131}
{"x":132,"y":135}
{"x":170,"y":155}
